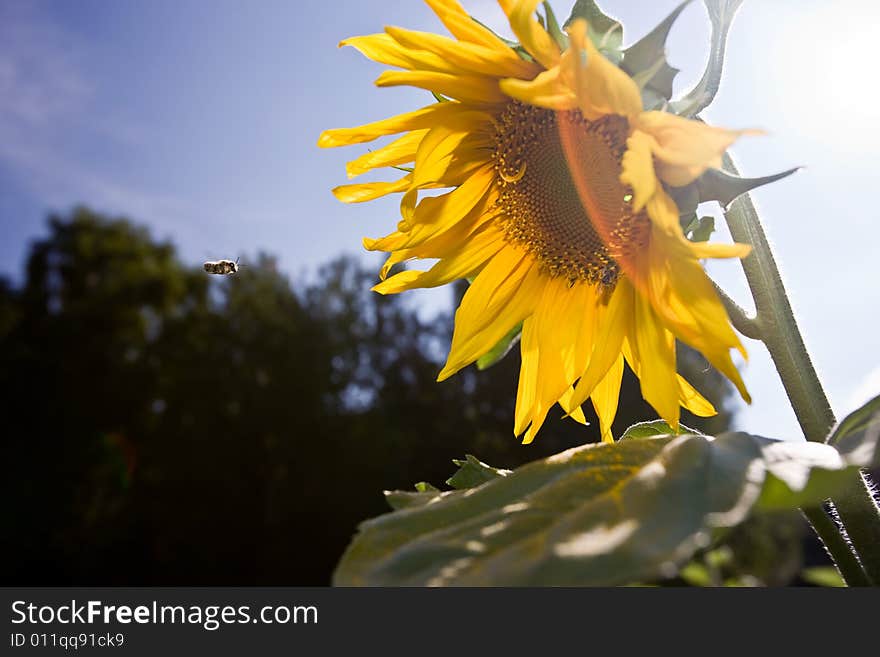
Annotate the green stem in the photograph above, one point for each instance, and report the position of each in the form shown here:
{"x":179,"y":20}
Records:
{"x":746,"y":325}
{"x":846,"y":561}
{"x":778,"y":329}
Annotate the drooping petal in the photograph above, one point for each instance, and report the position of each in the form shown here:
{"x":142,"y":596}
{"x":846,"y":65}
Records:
{"x":652,"y":357}
{"x":577,"y":413}
{"x":684,"y":149}
{"x":693,"y":400}
{"x":614,"y":323}
{"x":546,"y":90}
{"x":685,"y":300}
{"x":528,"y":377}
{"x":600,"y":86}
{"x":556,"y":324}
{"x":637,"y":169}
{"x":606,"y":397}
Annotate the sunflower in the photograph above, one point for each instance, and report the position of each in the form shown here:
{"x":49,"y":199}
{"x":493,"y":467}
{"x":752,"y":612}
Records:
{"x":556,"y":209}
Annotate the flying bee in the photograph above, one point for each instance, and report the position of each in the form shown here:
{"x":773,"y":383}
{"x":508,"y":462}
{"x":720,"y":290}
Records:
{"x":222,"y":267}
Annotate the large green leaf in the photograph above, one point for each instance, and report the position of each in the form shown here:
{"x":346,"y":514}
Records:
{"x":605,"y":31}
{"x":596,"y":515}
{"x":473,"y":472}
{"x":867,"y":418}
{"x":648,"y":56}
{"x":654,"y":428}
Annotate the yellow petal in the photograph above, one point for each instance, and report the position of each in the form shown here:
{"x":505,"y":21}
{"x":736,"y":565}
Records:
{"x":439,"y":243}
{"x":468,"y":260}
{"x":606,"y":397}
{"x":362,"y":192}
{"x":652,"y":357}
{"x":576,"y":413}
{"x":475,"y":89}
{"x":686,"y":301}
{"x":533,"y":37}
{"x":400,"y":151}
{"x":427,"y":117}
{"x":664,"y":214}
{"x":638,"y":169}
{"x":601,"y":87}
{"x":613,"y":324}
{"x":462,"y":26}
{"x":528,"y":377}
{"x":433,"y":240}
{"x":684,"y":148}
{"x":714,"y":250}
{"x":546,"y":90}
{"x":437,"y":151}
{"x":499,"y":298}
{"x":385,"y":50}
{"x":556,"y":325}
{"x":461,"y":56}
{"x":693,"y":400}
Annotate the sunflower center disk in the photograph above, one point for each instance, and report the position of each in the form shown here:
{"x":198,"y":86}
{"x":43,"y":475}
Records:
{"x":561,"y":194}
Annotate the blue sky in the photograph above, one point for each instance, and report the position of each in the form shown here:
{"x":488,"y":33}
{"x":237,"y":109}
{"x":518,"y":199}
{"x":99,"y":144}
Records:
{"x":200,"y":119}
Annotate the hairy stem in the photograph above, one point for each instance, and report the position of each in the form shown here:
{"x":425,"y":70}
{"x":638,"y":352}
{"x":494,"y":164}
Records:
{"x":836,"y":545}
{"x":746,"y":325}
{"x":779,"y":331}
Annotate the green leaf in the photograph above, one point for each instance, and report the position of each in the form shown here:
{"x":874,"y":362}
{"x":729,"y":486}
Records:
{"x":602,"y":514}
{"x":696,"y":574}
{"x":721,"y":14}
{"x":553,"y":29}
{"x":501,"y":349}
{"x":823,"y":576}
{"x":864,"y":419}
{"x":805,"y":473}
{"x":604,"y":31}
{"x":402,"y":499}
{"x":686,"y":199}
{"x":473,"y":472}
{"x":654,"y":428}
{"x":718,"y":185}
{"x":702,"y":231}
{"x":649,"y":55}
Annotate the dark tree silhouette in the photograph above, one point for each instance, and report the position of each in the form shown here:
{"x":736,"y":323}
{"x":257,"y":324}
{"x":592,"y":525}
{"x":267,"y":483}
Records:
{"x":168,"y":427}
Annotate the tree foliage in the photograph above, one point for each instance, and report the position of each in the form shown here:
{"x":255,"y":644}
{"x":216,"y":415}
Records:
{"x":168,"y":427}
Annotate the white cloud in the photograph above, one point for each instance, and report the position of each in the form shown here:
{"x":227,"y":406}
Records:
{"x":46,"y":95}
{"x":39,"y":76}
